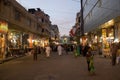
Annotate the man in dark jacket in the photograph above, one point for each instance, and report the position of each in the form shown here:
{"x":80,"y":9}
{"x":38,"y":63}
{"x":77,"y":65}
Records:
{"x":85,"y":50}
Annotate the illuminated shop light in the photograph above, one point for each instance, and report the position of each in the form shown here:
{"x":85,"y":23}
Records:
{"x":86,"y":33}
{"x":33,"y":41}
{"x":116,"y":40}
{"x":75,"y":42}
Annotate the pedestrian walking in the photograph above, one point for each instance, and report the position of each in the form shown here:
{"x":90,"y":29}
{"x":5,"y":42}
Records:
{"x":75,"y":51}
{"x":59,"y":48}
{"x":89,"y":58}
{"x":35,"y":52}
{"x":47,"y":50}
{"x":118,"y":58}
{"x":78,"y":50}
{"x":84,"y":49}
{"x":114,"y":49}
{"x":66,"y":48}
{"x":118,"y":54}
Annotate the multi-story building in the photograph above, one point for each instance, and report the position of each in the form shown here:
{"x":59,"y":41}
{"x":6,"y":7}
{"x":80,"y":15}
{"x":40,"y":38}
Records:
{"x":102,"y":22}
{"x":55,"y":33}
{"x":43,"y":19}
{"x":45,"y":24}
{"x":19,"y":29}
{"x":75,"y":32}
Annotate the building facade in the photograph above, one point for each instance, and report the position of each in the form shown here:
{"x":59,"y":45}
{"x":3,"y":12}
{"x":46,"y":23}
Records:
{"x":101,"y":22}
{"x":20,"y":29}
{"x":45,"y":24}
{"x":55,"y":32}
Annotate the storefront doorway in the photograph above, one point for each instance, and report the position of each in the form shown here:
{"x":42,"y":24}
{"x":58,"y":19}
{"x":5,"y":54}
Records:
{"x":2,"y":45}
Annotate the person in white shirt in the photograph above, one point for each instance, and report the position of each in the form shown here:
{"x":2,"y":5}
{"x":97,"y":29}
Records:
{"x":59,"y":48}
{"x":48,"y":49}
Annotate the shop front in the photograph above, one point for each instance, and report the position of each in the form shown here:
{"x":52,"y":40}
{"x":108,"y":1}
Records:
{"x":14,"y":42}
{"x":102,"y":38}
{"x":107,"y":40}
{"x":20,"y":42}
{"x":42,"y":42}
{"x":3,"y":33}
{"x":108,"y":37}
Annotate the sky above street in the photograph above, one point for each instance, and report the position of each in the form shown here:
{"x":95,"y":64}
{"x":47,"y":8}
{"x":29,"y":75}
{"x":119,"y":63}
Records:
{"x":61,"y":12}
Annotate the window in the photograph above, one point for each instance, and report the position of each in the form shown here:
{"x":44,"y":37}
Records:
{"x":17,"y":15}
{"x":0,"y":5}
{"x":29,"y":22}
{"x":37,"y":26}
{"x":42,"y":20}
{"x":6,"y":2}
{"x":43,"y":30}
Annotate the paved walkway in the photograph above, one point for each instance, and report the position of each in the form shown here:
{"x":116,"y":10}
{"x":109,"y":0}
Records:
{"x":65,"y":67}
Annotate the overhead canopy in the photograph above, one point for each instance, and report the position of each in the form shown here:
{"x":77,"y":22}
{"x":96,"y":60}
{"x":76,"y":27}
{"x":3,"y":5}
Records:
{"x":97,"y":12}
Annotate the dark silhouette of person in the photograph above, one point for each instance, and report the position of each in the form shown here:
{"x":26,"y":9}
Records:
{"x":35,"y":52}
{"x":85,"y":50}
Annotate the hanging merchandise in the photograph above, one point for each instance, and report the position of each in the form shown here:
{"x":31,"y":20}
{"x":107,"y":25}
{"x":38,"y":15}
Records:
{"x":3,"y":27}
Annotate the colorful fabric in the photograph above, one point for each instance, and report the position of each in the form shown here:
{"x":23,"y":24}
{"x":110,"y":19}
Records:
{"x":91,"y":65}
{"x":78,"y":50}
{"x":75,"y":52}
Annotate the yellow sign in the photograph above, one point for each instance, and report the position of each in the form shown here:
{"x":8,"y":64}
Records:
{"x":3,"y":26}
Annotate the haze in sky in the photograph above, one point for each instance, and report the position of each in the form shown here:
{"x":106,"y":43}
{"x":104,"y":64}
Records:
{"x":61,"y":12}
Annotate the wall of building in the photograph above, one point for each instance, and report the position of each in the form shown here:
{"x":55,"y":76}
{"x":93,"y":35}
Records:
{"x":97,"y":12}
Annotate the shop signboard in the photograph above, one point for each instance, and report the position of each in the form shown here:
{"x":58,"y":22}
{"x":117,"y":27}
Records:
{"x":3,"y":27}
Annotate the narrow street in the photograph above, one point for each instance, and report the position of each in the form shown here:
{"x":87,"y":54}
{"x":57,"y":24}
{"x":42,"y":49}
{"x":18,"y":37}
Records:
{"x":65,"y":67}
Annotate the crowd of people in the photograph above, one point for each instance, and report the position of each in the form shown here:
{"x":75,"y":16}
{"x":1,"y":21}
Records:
{"x":84,"y":50}
{"x":77,"y":50}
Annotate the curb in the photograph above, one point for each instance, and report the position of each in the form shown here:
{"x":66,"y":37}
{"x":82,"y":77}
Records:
{"x":10,"y":58}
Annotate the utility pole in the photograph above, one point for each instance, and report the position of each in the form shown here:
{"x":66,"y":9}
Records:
{"x":81,"y":19}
